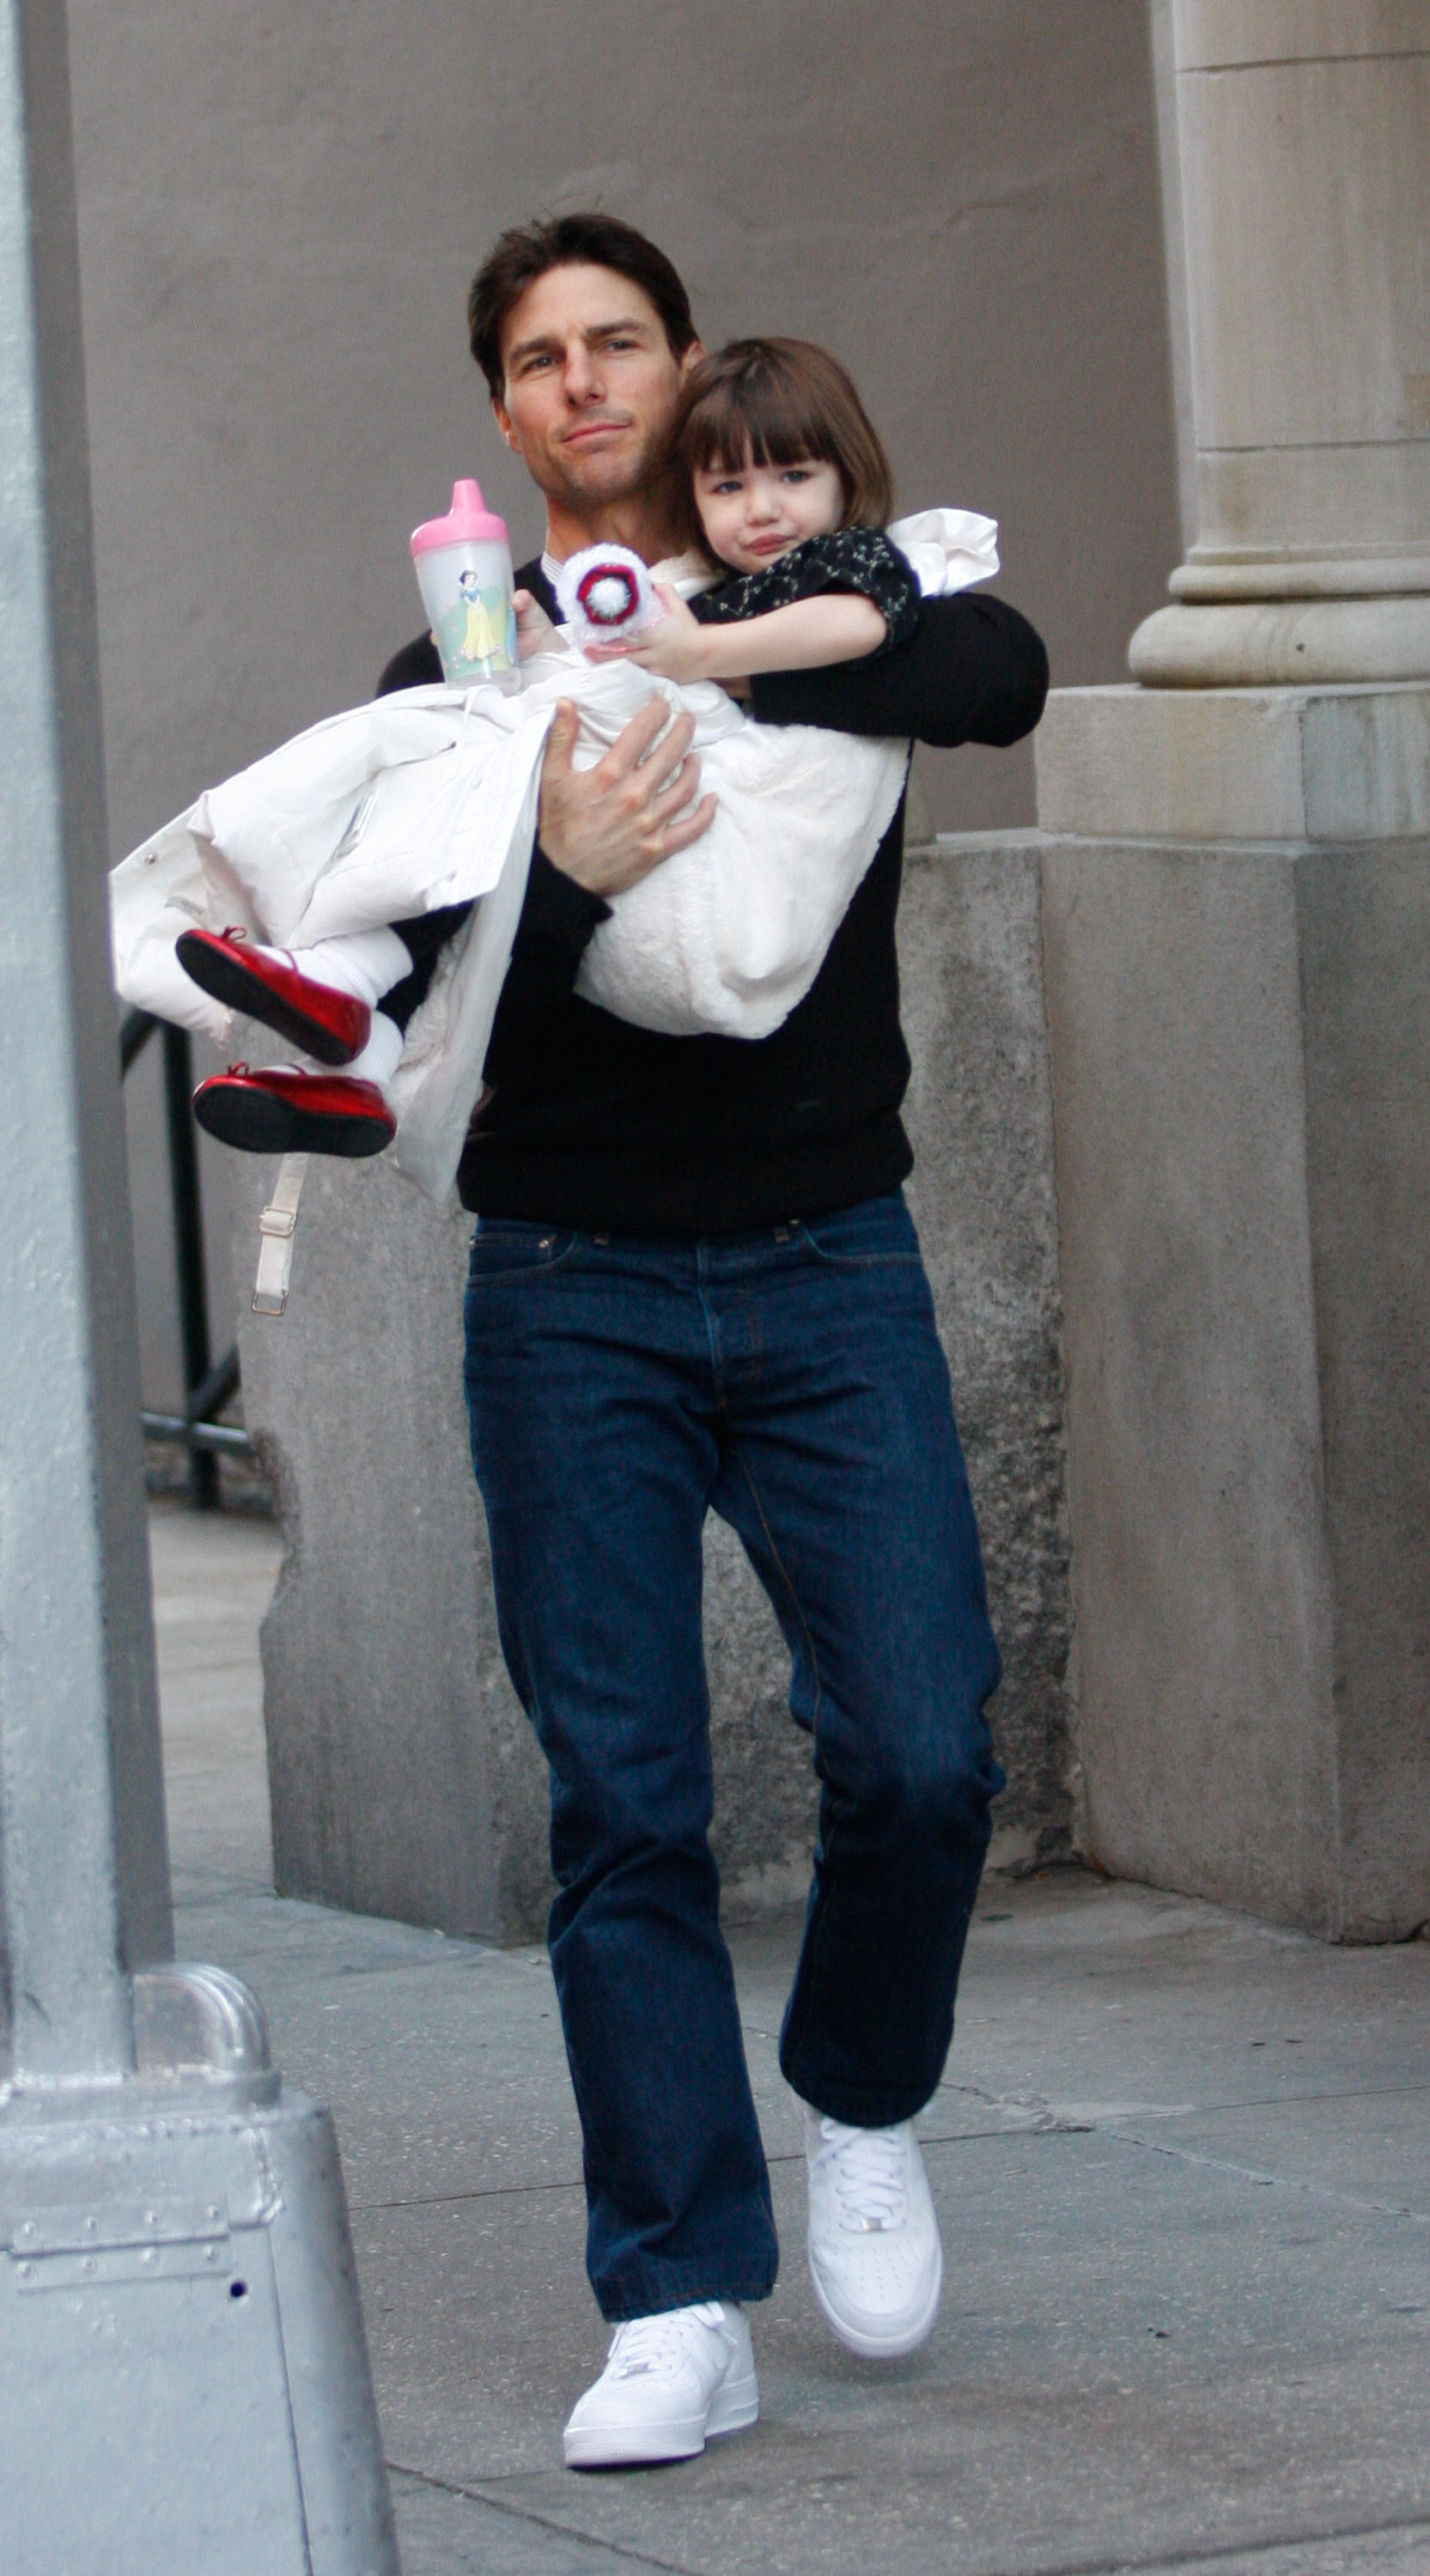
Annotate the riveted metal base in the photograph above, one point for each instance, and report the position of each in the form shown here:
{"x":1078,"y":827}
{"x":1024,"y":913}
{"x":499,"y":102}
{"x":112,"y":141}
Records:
{"x":183,"y":2378}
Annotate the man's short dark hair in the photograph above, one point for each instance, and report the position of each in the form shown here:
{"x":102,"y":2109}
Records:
{"x":526,"y":251}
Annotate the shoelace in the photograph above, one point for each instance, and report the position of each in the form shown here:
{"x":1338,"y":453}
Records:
{"x":645,"y":2345}
{"x":869,"y":2173}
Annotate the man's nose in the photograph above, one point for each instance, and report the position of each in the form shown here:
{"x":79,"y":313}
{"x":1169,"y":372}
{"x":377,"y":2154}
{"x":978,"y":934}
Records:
{"x":584,"y":382}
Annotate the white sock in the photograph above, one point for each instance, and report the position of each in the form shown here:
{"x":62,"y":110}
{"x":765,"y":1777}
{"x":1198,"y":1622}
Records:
{"x":365,"y":963}
{"x":379,"y":1058}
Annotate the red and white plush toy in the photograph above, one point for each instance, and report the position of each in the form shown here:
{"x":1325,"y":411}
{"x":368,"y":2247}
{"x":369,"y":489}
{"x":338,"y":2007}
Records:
{"x":605,"y":595}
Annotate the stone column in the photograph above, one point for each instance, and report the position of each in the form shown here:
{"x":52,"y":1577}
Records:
{"x":1236,"y":926}
{"x":1303,"y":133}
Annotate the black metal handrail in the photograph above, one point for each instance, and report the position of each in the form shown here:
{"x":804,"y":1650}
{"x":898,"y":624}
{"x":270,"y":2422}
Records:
{"x":209,"y":1384}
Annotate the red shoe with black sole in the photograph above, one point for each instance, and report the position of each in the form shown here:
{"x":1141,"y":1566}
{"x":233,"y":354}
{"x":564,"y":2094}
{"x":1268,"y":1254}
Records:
{"x":282,"y":1111}
{"x":327,"y":1024}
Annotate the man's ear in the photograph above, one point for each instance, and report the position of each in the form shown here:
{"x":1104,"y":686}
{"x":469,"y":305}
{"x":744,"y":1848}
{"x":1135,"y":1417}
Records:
{"x":502,"y":417}
{"x":690,"y":358}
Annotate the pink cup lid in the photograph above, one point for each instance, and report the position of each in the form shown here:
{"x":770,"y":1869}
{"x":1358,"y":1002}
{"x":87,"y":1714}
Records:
{"x":468,"y":517}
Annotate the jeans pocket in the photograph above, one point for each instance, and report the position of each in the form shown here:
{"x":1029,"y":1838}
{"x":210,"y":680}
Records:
{"x":512,"y":1248}
{"x":877,"y":1234}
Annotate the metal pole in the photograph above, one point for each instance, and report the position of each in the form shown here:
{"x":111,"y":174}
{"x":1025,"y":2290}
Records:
{"x":183,"y":2382}
{"x":189,"y":1271}
{"x":80,"y":1743}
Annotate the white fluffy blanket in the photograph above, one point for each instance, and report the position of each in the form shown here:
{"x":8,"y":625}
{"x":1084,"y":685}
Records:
{"x":429,"y":798}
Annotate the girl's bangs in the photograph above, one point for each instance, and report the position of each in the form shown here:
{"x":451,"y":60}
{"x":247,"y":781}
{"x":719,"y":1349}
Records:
{"x":761,"y":420}
{"x":782,"y":402}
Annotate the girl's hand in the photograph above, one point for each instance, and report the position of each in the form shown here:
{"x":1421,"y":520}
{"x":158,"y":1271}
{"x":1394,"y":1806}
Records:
{"x":679,"y":648}
{"x":534,"y":629}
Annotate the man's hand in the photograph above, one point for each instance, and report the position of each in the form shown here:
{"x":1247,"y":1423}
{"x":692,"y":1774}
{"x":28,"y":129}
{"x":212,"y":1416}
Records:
{"x":609,"y":826}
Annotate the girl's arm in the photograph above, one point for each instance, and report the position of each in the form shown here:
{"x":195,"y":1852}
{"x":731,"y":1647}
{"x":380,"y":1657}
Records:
{"x":806,"y":635}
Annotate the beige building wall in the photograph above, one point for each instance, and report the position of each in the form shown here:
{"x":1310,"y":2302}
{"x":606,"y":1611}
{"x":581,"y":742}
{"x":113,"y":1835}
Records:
{"x":280,"y":213}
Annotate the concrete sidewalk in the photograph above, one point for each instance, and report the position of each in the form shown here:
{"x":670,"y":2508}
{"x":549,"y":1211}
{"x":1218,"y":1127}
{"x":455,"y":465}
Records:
{"x":1181,"y":2160}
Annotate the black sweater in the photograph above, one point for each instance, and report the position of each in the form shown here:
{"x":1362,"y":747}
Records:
{"x":596,"y":1124}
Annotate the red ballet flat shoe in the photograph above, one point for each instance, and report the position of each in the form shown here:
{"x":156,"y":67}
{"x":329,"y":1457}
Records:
{"x":327,"y":1024}
{"x":282,"y":1111}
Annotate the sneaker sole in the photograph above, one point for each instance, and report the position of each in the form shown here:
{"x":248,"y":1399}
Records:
{"x":257,"y":1122}
{"x":896,"y":2344}
{"x":733,"y":2409}
{"x":240,"y":989}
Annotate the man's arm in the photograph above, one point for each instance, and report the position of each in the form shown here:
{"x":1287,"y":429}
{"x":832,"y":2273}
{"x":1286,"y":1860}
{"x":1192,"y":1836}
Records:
{"x":975,"y":672}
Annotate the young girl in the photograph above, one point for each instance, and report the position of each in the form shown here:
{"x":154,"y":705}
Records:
{"x":785,"y":492}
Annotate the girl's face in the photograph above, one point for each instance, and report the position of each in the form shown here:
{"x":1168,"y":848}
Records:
{"x":752,"y":514}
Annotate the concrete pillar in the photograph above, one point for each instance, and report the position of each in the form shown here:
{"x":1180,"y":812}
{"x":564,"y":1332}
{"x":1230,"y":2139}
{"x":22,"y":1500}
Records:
{"x":1303,"y":143}
{"x":1236,"y":914}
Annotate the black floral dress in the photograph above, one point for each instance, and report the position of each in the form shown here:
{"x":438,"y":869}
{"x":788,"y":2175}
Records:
{"x":857,"y":559}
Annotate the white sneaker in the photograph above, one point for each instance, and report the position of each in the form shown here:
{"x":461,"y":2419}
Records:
{"x":671,"y":2383}
{"x":874,"y":2251}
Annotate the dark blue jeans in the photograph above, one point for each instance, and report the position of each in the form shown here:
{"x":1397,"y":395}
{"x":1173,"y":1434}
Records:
{"x":793,"y":1382}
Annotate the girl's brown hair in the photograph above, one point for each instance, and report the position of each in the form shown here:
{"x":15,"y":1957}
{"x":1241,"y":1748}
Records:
{"x":781,"y":402}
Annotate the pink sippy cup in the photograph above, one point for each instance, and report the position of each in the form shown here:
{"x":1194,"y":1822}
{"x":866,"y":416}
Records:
{"x":463,"y":565}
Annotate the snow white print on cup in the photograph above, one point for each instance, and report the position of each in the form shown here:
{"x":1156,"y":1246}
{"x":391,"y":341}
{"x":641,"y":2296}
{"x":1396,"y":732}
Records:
{"x":463,"y":566}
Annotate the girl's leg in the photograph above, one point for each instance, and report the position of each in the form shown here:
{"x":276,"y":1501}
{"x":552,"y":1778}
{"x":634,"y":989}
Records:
{"x":321,"y":997}
{"x":364,"y":963}
{"x":318,"y":999}
{"x":347,"y":1001}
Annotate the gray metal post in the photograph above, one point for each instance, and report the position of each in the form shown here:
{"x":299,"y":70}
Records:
{"x":183,"y":2381}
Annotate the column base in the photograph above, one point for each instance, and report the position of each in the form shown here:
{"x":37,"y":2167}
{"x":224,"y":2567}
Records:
{"x":1283,"y":643}
{"x":1334,"y":764}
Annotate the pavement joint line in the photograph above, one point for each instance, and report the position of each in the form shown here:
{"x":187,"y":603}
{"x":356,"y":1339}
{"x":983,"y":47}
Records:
{"x":1070,"y":2115}
{"x":518,"y":2190}
{"x":1037,"y":2117}
{"x":1164,"y":2564}
{"x":1231,"y":2550}
{"x":1275,"y":2181}
{"x":542,"y":2521}
{"x":1044,"y":2127}
{"x":1289,"y":2101}
{"x":1049,"y":2122}
{"x":455,"y":2199}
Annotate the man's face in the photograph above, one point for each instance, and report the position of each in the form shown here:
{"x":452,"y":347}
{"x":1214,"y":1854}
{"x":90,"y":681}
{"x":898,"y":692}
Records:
{"x":591,"y":386}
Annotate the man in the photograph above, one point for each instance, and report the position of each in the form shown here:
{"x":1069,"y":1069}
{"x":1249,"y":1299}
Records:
{"x":695,"y":1285}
